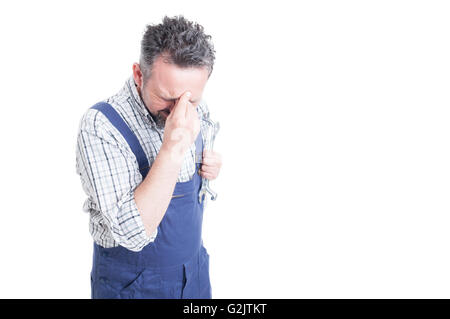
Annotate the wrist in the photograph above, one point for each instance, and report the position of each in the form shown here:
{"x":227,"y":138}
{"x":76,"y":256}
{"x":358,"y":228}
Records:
{"x":173,"y":154}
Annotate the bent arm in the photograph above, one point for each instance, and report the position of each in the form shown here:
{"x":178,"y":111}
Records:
{"x":154,"y":194}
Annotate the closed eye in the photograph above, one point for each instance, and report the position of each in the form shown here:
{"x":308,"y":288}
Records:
{"x":175,"y":100}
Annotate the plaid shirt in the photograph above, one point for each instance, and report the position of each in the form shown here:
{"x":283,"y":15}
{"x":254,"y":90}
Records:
{"x":109,"y":170}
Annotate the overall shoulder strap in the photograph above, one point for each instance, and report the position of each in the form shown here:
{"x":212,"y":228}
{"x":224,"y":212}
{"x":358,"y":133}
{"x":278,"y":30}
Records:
{"x":117,"y":121}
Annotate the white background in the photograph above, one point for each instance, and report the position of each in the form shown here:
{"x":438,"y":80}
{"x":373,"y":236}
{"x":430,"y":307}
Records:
{"x":334,"y":133}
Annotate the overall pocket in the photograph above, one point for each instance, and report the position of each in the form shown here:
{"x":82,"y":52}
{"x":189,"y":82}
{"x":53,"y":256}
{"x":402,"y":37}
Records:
{"x":122,"y":281}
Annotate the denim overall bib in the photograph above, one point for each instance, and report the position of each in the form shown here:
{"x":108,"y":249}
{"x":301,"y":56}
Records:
{"x":176,"y":264}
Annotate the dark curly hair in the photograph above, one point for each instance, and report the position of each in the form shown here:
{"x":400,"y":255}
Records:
{"x":184,"y":42}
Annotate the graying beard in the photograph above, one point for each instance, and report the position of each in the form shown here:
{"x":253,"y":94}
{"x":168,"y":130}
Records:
{"x":160,"y":121}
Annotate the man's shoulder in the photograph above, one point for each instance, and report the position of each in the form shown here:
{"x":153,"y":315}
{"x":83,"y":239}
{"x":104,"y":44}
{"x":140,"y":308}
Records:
{"x":94,"y":120}
{"x":95,"y":127}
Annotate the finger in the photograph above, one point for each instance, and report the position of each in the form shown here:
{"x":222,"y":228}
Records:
{"x":212,"y":160}
{"x":212,"y":154}
{"x":207,"y":175}
{"x":191,"y":111}
{"x":181,"y":106}
{"x":207,"y":169}
{"x":207,"y":153}
{"x":214,"y":171}
{"x":208,"y":156}
{"x":208,"y":161}
{"x":194,"y":122}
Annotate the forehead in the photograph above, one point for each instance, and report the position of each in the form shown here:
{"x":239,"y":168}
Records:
{"x":172,"y":80}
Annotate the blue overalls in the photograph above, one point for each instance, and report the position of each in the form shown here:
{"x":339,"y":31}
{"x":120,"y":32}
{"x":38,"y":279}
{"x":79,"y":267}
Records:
{"x":176,"y":264}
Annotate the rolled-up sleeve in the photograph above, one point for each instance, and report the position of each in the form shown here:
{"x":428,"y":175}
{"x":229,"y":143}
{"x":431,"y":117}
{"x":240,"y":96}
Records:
{"x":111,"y":174}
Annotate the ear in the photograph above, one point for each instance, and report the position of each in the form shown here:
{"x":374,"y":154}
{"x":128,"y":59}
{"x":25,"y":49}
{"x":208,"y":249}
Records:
{"x":137,"y":75}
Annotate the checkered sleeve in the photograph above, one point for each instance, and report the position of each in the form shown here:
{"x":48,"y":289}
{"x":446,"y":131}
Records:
{"x":111,"y":171}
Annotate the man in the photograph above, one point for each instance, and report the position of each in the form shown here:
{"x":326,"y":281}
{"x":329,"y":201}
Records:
{"x":138,"y":156}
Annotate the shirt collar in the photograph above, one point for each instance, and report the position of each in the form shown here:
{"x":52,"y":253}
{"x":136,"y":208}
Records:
{"x":137,"y":102}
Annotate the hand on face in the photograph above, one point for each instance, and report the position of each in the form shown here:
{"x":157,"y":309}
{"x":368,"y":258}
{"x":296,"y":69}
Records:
{"x":182,"y":126}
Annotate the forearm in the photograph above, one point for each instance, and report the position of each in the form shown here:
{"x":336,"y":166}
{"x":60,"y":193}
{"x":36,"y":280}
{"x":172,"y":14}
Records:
{"x":154,"y":194}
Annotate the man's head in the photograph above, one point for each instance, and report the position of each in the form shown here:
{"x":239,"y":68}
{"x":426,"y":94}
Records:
{"x":176,"y":56}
